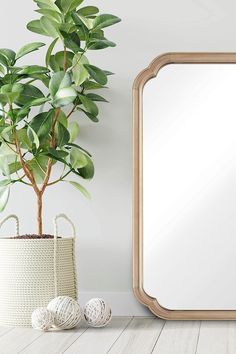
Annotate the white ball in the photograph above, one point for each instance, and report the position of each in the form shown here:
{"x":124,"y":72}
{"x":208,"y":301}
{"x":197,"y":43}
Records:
{"x":66,"y":311}
{"x":42,"y":319}
{"x":97,"y":313}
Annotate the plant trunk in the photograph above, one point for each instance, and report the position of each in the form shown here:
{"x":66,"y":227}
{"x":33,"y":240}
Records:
{"x":39,"y":214}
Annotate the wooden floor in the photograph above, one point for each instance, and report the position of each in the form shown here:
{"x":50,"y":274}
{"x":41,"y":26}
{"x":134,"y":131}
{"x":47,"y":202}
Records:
{"x":126,"y":335}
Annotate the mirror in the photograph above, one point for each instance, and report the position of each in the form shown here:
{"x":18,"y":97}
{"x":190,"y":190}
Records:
{"x":185,"y":186}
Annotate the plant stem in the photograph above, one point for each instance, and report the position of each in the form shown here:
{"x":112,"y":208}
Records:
{"x":71,"y":112}
{"x":65,"y":60}
{"x":30,"y":176}
{"x":39,"y":213}
{"x":59,"y":179}
{"x":82,"y":54}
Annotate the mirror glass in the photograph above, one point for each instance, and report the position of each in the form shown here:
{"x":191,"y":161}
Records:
{"x":189,"y":187}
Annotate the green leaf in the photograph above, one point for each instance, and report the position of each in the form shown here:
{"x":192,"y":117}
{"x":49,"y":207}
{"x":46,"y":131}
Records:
{"x":22,"y":113}
{"x":62,"y":118}
{"x":38,"y":166}
{"x":77,"y":158}
{"x":61,"y":90}
{"x":64,"y":97}
{"x":8,"y":97}
{"x":17,"y":114}
{"x":82,"y":21}
{"x":108,"y":73}
{"x":97,"y":34}
{"x":97,"y":74}
{"x":74,"y":131}
{"x":41,"y":77}
{"x":87,"y":172}
{"x":28,"y":93}
{"x":28,"y":48}
{"x":2,"y":70}
{"x":58,"y":4}
{"x":89,"y":105}
{"x":51,"y":14}
{"x":62,"y":135}
{"x":90,"y":85}
{"x":37,"y":102}
{"x":5,"y":182}
{"x":80,"y":148}
{"x":5,"y":132}
{"x":80,"y":188}
{"x":58,"y":155}
{"x":33,"y":136}
{"x":49,"y":51}
{"x":88,"y":11}
{"x":90,"y":115}
{"x":70,"y":5}
{"x":14,"y":167}
{"x":10,"y":93}
{"x":41,"y":125}
{"x":23,"y":138}
{"x":33,"y":69}
{"x":9,"y":54}
{"x":47,"y":4}
{"x":71,"y":41}
{"x":80,"y":74}
{"x":53,"y":64}
{"x":4,"y":163}
{"x":95,"y":97}
{"x":97,"y":44}
{"x":50,"y":27}
{"x":105,"y":20}
{"x":68,"y":27}
{"x":59,"y":81}
{"x":37,"y":27}
{"x":4,"y":196}
{"x":59,"y":58}
{"x":3,"y":60}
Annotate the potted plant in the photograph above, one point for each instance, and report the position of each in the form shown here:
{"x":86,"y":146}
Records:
{"x":34,"y":268}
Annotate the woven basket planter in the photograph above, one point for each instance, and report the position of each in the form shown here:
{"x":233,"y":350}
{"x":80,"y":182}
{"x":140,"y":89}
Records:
{"x":33,"y":272}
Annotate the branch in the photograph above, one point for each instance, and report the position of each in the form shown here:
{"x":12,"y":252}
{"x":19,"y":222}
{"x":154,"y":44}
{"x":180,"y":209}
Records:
{"x":27,"y":171}
{"x":65,"y":60}
{"x":71,"y":112}
{"x":59,"y":179}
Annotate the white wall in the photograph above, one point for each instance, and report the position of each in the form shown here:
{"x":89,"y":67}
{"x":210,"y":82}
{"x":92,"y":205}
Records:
{"x":104,"y":224}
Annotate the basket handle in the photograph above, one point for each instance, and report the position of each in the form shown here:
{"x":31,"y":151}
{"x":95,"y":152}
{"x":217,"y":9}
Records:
{"x":60,"y":216}
{"x":63,"y":216}
{"x":12,"y":216}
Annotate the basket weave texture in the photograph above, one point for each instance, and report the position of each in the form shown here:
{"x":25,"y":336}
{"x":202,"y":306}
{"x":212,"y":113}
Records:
{"x":29,"y":269}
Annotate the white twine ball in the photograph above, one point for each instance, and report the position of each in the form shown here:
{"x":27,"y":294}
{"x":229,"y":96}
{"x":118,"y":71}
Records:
{"x":66,"y":311}
{"x":97,"y":313}
{"x":42,"y":319}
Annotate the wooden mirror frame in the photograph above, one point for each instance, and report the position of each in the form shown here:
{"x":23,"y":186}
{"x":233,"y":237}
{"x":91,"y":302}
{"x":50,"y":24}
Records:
{"x":139,"y":83}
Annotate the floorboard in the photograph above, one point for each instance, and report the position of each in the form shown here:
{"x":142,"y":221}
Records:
{"x":139,"y":336}
{"x":99,"y":340}
{"x":16,"y":339}
{"x":217,"y":338}
{"x":55,"y":342}
{"x":178,"y":337}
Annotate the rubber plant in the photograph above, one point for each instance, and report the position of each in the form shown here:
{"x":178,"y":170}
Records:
{"x":31,"y":144}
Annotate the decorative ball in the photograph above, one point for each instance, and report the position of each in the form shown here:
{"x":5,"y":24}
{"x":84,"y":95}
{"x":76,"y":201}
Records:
{"x":97,"y":313}
{"x":42,"y":319}
{"x":66,"y":311}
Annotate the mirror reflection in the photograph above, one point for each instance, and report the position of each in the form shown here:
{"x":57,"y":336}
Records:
{"x":189,"y":187}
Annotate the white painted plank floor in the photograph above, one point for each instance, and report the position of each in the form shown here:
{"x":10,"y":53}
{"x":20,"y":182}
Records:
{"x":126,"y":335}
